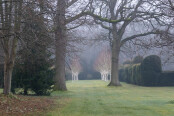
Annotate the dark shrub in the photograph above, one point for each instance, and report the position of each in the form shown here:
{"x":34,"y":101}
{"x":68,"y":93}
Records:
{"x":166,"y":78}
{"x":33,"y":61}
{"x":147,"y":73}
{"x":134,"y":74}
{"x":41,"y":83}
{"x":121,"y":74}
{"x":138,"y":78}
{"x":34,"y":74}
{"x":126,"y":74}
{"x":151,"y":70}
{"x":131,"y":75}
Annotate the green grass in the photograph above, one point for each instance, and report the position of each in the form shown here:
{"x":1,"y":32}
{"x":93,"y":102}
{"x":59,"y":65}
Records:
{"x":94,"y":98}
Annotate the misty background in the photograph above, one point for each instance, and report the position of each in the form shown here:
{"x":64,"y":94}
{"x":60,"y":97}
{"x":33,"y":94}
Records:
{"x":94,"y":39}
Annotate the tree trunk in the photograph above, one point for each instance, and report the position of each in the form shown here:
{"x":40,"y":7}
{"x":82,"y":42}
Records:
{"x":10,"y":45}
{"x":8,"y":68}
{"x":60,"y":70}
{"x":61,"y":43}
{"x":25,"y":91}
{"x":115,"y":64}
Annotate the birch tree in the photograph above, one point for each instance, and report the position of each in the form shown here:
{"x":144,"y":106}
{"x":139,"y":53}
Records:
{"x":75,"y":68}
{"x":103,"y":63}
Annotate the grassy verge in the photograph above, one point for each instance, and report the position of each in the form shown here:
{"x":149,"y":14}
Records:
{"x":94,"y":98}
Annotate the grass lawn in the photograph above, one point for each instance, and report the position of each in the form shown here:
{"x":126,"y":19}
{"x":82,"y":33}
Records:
{"x":94,"y":98}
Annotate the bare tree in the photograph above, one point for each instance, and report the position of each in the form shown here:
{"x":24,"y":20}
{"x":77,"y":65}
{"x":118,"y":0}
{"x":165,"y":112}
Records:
{"x":103,"y":64}
{"x":120,"y":16}
{"x":75,"y":68}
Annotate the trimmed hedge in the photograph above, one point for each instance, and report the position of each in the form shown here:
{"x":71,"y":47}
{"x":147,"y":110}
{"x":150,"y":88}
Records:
{"x":166,"y":79}
{"x":151,"y":70}
{"x":148,"y":73}
{"x":131,"y":74}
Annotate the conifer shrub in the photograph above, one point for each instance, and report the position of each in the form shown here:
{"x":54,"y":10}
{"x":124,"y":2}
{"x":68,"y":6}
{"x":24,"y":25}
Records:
{"x":34,"y":75}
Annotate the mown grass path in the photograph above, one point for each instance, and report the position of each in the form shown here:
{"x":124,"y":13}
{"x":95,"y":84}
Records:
{"x":94,"y":98}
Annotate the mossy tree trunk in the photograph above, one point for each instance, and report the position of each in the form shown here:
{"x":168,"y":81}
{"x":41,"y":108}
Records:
{"x":115,"y":61}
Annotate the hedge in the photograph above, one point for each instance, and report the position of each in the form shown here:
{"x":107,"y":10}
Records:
{"x":131,"y":74}
{"x":150,"y":70}
{"x":147,"y":73}
{"x":166,"y":79}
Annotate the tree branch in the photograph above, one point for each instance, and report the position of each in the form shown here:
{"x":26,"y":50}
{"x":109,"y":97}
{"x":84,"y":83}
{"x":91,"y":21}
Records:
{"x":96,"y":17}
{"x":76,"y":26}
{"x":102,"y":25}
{"x":71,"y":3}
{"x":138,"y":35}
{"x":171,"y":4}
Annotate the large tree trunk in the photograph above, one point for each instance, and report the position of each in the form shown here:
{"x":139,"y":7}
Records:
{"x":8,"y":69}
{"x":61,"y":43}
{"x":115,"y":64}
{"x":60,"y":69}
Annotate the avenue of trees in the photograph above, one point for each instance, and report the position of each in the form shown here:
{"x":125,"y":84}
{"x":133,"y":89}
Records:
{"x":46,"y":27}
